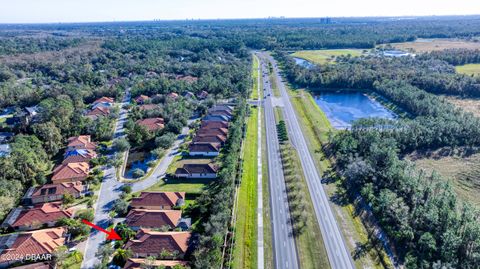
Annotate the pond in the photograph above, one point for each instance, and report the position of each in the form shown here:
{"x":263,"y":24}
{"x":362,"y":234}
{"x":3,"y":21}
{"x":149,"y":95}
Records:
{"x":304,"y":63}
{"x":342,"y":108}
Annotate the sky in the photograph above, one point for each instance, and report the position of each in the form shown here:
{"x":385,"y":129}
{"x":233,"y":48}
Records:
{"x":46,"y":11}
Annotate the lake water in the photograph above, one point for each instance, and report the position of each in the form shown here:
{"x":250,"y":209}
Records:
{"x":342,"y":108}
{"x":304,"y":63}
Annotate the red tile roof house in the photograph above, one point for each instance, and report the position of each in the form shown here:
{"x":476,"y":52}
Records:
{"x":212,"y":131}
{"x":38,"y":265}
{"x":97,"y":112}
{"x":39,"y":244}
{"x":172,"y":95}
{"x":158,"y":200}
{"x":148,"y":107}
{"x":156,"y":219}
{"x":141,"y":99}
{"x":207,"y":138}
{"x":40,"y":216}
{"x":197,"y":171}
{"x":53,"y":192}
{"x":152,"y":124}
{"x":150,"y":243}
{"x":214,"y":124}
{"x":81,"y":142}
{"x":79,"y":156}
{"x":70,"y":172}
{"x":136,"y":263}
{"x":104,"y":100}
{"x":204,"y":149}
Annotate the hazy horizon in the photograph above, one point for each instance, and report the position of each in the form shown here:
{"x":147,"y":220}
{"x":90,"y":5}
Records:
{"x":72,"y":11}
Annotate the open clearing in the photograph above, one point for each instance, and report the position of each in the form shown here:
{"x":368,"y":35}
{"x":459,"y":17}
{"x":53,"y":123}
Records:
{"x":425,"y":45}
{"x":245,"y":252}
{"x":325,"y":56}
{"x":469,"y":69}
{"x":467,"y":104}
{"x":463,"y":171}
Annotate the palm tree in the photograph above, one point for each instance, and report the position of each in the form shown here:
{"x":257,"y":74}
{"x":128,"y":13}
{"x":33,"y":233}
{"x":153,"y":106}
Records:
{"x":121,"y":256}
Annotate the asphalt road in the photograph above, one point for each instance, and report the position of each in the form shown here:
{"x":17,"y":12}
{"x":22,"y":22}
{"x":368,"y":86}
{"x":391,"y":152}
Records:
{"x":285,"y":253}
{"x":337,"y":250}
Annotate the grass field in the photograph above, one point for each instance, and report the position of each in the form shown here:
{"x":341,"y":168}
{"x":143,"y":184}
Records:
{"x":255,"y":73}
{"x":469,"y":69}
{"x":467,"y":104}
{"x":316,"y":127}
{"x":267,"y":225}
{"x":425,"y":45}
{"x":245,"y":252}
{"x":462,"y":171}
{"x":325,"y":56}
{"x":192,"y":186}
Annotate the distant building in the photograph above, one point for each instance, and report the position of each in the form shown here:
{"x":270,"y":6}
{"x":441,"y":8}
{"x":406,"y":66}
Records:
{"x":189,"y":95}
{"x":148,"y":107}
{"x":104,"y":99}
{"x":142,"y":99}
{"x":202,"y":95}
{"x":152,"y":124}
{"x":97,"y":112}
{"x":197,"y":171}
{"x":172,"y":95}
{"x":81,"y":142}
{"x":396,"y":53}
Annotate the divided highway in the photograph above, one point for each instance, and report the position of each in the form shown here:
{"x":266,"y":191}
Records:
{"x":335,"y":245}
{"x":285,"y":253}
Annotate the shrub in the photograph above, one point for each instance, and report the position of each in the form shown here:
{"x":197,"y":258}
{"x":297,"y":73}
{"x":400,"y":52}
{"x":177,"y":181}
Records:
{"x":136,"y":173}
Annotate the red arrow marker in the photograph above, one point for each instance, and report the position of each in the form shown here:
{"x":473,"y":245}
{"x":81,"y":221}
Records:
{"x":112,"y":235}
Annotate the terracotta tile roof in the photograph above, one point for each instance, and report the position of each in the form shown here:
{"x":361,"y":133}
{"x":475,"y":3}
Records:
{"x":170,"y":199}
{"x":173,"y":95}
{"x":142,"y":98}
{"x":34,"y":243}
{"x":202,"y":95}
{"x":81,"y":142}
{"x":38,"y":265}
{"x":98,"y":111}
{"x":153,"y":218}
{"x":204,"y":147}
{"x":104,"y":100}
{"x":188,"y":78}
{"x":200,"y":168}
{"x":214,"y":124}
{"x":147,"y":241}
{"x":42,"y":214}
{"x":212,"y":131}
{"x":74,"y":188}
{"x":152,"y":124}
{"x":149,"y":107}
{"x":207,"y":138}
{"x":133,"y":263}
{"x":79,"y":155}
{"x":71,"y":172}
{"x":215,"y":118}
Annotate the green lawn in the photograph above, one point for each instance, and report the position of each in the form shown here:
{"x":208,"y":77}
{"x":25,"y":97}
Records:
{"x":469,"y":69}
{"x":191,"y":186}
{"x":245,"y":251}
{"x":255,"y":88}
{"x":325,"y":56}
{"x":267,"y":225}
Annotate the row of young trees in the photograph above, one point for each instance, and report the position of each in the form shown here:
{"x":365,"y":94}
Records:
{"x":455,"y":56}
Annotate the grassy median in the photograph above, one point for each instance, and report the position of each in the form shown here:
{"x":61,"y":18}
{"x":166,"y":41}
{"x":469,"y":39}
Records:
{"x":256,"y":87}
{"x":245,"y":252}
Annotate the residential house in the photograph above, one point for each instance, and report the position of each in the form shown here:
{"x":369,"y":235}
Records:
{"x":54,"y":192}
{"x":189,"y":95}
{"x":104,"y":100}
{"x":147,"y":107}
{"x":38,"y":265}
{"x":172,"y":95}
{"x":212,"y":131}
{"x":202,"y":95}
{"x":32,"y":113}
{"x":70,"y":172}
{"x":158,"y":200}
{"x":138,"y":263}
{"x":81,"y":142}
{"x":188,"y":78}
{"x":207,"y":138}
{"x":97,"y":112}
{"x":156,"y":219}
{"x":214,"y":124}
{"x":40,"y":216}
{"x":216,"y":118}
{"x":225,"y":110}
{"x":79,"y":156}
{"x":141,"y":99}
{"x":204,"y":149}
{"x":150,"y":243}
{"x":197,"y":171}
{"x":40,"y":244}
{"x":152,"y":124}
